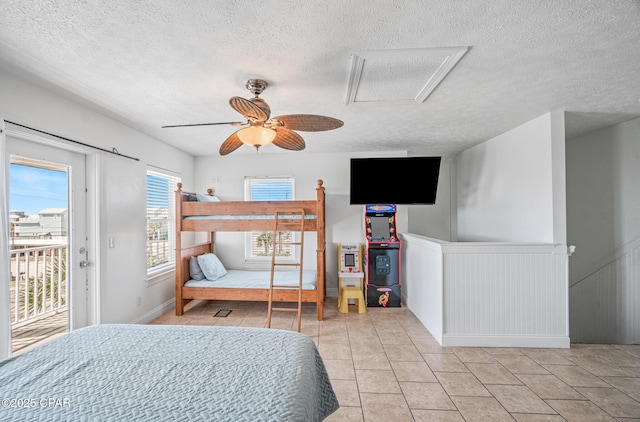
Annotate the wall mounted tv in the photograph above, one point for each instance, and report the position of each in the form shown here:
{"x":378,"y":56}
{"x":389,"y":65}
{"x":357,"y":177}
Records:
{"x":402,"y":180}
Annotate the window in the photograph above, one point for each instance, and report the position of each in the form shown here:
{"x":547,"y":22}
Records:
{"x":258,"y":245}
{"x":160,"y":222}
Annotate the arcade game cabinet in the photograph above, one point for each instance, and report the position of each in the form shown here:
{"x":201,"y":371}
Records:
{"x":382,"y":256}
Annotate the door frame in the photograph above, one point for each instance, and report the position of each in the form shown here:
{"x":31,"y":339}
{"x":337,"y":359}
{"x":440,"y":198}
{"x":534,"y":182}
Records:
{"x":92,"y":207}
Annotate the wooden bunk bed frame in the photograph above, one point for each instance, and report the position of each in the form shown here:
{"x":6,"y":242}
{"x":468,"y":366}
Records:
{"x":238,"y":209}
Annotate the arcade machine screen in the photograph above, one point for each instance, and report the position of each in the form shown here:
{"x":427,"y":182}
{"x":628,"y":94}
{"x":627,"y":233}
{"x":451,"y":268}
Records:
{"x":380,"y":229}
{"x":349,"y":260}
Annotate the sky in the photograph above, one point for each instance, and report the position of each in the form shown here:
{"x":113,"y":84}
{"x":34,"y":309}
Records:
{"x":33,"y":189}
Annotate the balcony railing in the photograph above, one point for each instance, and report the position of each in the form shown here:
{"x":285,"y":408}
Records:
{"x":38,"y":282}
{"x":157,"y":252}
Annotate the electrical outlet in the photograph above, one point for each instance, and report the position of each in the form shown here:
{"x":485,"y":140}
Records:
{"x":138,"y":301}
{"x":216,"y":179}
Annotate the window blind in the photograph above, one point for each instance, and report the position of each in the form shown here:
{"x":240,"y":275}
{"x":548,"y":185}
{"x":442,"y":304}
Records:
{"x":160,"y":221}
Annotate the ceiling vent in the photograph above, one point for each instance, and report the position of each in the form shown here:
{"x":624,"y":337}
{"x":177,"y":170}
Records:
{"x":399,"y":75}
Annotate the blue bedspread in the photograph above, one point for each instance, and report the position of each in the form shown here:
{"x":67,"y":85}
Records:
{"x":243,"y":279}
{"x":168,"y":373}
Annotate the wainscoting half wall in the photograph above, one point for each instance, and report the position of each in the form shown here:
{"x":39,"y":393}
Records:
{"x":488,"y":294}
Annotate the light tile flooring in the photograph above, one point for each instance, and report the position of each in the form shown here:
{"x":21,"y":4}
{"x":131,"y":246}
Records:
{"x":385,"y":366}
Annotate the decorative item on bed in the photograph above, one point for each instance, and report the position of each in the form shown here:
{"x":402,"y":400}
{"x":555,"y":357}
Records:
{"x":194,"y":214}
{"x":125,"y":372}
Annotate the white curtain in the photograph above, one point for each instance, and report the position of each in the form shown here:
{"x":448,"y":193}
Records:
{"x":5,"y":322}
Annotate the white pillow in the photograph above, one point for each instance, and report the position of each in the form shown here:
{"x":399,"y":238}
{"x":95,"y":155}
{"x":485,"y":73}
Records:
{"x":211,"y":266}
{"x":207,"y":198}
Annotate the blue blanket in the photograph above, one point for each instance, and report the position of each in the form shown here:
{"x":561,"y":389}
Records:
{"x":168,"y":373}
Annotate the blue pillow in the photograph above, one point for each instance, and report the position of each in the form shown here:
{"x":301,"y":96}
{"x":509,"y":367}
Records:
{"x":211,"y":266}
{"x":195,"y":272}
{"x":207,"y":198}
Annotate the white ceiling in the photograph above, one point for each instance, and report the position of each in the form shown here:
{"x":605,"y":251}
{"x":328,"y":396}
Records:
{"x":159,"y":62}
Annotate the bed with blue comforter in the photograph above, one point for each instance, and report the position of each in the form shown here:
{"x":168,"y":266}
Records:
{"x":168,"y":373}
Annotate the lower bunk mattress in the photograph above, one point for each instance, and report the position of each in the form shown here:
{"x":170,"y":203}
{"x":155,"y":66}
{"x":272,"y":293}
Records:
{"x":170,"y":373}
{"x":243,"y":279}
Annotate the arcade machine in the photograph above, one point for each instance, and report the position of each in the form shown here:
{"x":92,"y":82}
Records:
{"x":350,"y":256}
{"x":382,"y":256}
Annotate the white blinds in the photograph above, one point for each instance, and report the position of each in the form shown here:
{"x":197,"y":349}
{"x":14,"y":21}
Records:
{"x":160,"y":220}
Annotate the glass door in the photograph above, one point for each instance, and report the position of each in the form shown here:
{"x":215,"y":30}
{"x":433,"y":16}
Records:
{"x":47,"y":242}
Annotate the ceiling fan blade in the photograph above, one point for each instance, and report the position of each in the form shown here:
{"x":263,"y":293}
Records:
{"x":288,"y":139}
{"x":208,"y":124}
{"x":231,"y":144}
{"x":248,"y":108}
{"x":309,"y":122}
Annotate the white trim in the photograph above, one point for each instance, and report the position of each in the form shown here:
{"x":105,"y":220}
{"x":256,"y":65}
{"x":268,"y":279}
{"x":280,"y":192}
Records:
{"x":485,"y":247}
{"x":156,"y":312}
{"x":451,"y":56}
{"x":607,"y":260}
{"x":92,"y":208}
{"x":163,"y":171}
{"x":501,"y":248}
{"x":554,"y":342}
{"x":161,"y":276}
{"x":5,"y":272}
{"x":332,"y":292}
{"x":26,"y":134}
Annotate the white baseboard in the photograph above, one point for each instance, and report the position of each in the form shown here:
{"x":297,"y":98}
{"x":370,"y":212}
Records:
{"x":548,"y":342}
{"x":155,"y":312}
{"x":332,"y":292}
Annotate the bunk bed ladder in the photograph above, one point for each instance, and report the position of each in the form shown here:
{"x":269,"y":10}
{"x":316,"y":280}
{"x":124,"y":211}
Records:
{"x":280,"y":216}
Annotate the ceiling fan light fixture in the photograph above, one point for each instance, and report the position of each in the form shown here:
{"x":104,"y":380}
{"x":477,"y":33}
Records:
{"x":256,"y":136}
{"x":263,"y":130}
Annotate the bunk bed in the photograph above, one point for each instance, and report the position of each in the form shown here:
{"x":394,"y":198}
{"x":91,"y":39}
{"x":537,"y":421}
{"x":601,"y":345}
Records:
{"x":194,"y":215}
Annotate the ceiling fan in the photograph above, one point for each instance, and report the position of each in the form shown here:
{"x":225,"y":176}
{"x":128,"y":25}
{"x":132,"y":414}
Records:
{"x":262,"y":130}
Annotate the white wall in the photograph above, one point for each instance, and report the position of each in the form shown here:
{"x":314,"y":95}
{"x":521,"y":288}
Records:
{"x":344,"y":222}
{"x":422,"y":281}
{"x":511,"y":187}
{"x":603,"y":205}
{"x":121,"y":195}
{"x":437,"y":221}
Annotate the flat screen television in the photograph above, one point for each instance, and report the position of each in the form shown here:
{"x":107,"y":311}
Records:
{"x":402,"y":180}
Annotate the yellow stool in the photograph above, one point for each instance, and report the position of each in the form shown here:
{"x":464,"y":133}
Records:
{"x":351,"y":292}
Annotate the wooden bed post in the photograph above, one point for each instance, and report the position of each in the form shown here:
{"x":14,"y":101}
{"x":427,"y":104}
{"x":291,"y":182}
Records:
{"x":178,"y":241}
{"x":321,"y":252}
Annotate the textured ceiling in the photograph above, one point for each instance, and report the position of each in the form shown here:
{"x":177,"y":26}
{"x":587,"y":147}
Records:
{"x":153,"y":63}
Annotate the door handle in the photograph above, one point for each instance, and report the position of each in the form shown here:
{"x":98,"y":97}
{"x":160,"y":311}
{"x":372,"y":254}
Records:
{"x":85,"y":264}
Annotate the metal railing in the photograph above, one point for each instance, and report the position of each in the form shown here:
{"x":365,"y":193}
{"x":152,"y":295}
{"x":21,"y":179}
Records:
{"x":38,"y":282}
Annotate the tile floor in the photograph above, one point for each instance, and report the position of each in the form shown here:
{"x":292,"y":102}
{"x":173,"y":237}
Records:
{"x":385,"y":366}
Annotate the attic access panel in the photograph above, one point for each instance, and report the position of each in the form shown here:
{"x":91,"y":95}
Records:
{"x":399,"y":75}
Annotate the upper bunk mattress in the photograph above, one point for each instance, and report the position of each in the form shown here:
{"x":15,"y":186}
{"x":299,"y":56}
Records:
{"x":243,"y":279}
{"x":249,"y":217}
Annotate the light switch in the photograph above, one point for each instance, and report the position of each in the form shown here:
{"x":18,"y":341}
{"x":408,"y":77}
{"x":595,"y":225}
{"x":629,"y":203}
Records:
{"x":112,"y":242}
